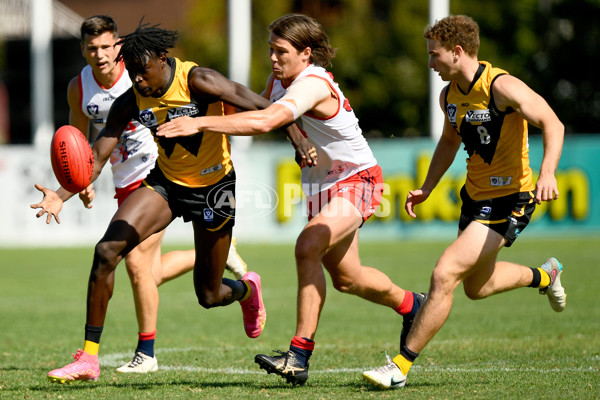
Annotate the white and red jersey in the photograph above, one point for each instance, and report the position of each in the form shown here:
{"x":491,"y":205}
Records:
{"x":136,"y":153}
{"x":342,"y":150}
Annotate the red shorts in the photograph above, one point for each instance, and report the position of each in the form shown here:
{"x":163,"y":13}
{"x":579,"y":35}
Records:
{"x":122,"y":193}
{"x":363,"y":189}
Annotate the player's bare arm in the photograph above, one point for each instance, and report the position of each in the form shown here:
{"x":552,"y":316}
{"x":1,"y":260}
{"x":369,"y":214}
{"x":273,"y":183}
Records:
{"x":442,"y":158}
{"x":52,"y":201}
{"x":76,"y":116}
{"x":121,"y":112}
{"x":512,"y":92}
{"x":209,"y":86}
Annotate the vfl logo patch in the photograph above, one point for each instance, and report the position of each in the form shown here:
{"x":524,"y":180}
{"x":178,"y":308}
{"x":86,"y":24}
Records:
{"x":478,"y":116}
{"x":208,"y":215}
{"x":500,"y":180}
{"x":148,"y":119}
{"x":92,"y":109}
{"x":451,"y":112}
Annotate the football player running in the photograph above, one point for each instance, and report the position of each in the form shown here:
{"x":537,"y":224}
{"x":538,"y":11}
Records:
{"x":342,"y":191}
{"x":488,"y":110}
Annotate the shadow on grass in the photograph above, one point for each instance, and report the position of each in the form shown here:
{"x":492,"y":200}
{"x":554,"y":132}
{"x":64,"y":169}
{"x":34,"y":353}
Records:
{"x":82,"y":385}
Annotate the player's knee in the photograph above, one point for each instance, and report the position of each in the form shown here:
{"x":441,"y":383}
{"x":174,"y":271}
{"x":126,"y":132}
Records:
{"x":443,"y":279}
{"x":105,"y":258}
{"x":474,"y":293}
{"x":207,"y":299}
{"x":307,"y":248}
{"x":344,"y":285}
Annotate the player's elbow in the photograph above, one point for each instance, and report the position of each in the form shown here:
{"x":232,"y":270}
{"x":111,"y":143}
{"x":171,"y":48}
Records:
{"x":272,"y":118}
{"x":267,"y":124}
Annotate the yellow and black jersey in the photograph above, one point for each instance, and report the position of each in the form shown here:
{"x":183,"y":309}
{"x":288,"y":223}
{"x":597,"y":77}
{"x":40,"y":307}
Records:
{"x":496,"y":141}
{"x":192,"y":161}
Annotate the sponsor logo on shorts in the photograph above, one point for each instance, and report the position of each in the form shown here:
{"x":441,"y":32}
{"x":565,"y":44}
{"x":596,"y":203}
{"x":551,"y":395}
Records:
{"x":485,"y":211}
{"x":500,"y":180}
{"x":478,"y":116}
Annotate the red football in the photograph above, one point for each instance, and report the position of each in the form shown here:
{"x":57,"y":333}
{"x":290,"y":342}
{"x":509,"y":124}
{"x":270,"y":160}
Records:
{"x":72,"y":158}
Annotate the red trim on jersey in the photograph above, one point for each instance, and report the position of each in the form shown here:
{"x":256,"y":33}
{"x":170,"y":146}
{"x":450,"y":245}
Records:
{"x":80,"y":92}
{"x":122,"y":65}
{"x":270,"y":88}
{"x":339,"y":101}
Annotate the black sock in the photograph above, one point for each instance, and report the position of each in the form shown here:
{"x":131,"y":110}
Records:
{"x":408,"y":354}
{"x":93,"y":333}
{"x":146,"y":347}
{"x":238,"y":288}
{"x":537,"y":278}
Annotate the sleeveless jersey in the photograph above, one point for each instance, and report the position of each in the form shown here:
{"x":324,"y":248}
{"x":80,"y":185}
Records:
{"x":193,"y":161}
{"x":342,"y":150}
{"x":135,"y":154}
{"x":496,"y":142}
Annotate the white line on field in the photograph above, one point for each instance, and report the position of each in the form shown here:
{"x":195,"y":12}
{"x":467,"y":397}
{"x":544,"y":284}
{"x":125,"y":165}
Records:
{"x":118,"y":359}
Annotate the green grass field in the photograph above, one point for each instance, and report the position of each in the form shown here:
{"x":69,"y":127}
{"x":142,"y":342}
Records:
{"x":511,"y":346}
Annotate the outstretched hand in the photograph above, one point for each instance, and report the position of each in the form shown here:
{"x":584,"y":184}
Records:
{"x":413,"y":198}
{"x":183,"y":126}
{"x":51,"y":204}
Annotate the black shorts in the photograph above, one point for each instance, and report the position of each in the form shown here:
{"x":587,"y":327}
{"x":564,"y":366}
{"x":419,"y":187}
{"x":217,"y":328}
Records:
{"x":211,"y":207}
{"x":507,"y":215}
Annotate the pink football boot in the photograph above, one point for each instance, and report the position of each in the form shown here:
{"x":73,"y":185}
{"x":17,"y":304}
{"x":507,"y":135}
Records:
{"x":253,"y":308}
{"x":84,"y":368}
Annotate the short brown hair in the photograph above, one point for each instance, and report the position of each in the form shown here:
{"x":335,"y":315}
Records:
{"x":456,"y":30}
{"x":97,"y":25}
{"x":302,"y":32}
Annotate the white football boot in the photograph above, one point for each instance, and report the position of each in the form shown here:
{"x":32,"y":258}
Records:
{"x":234,"y":263}
{"x":555,"y":291}
{"x":141,"y":364}
{"x":387,"y":377}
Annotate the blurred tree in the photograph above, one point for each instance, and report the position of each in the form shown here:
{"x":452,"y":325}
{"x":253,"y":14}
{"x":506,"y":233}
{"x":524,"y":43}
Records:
{"x":381,"y":62}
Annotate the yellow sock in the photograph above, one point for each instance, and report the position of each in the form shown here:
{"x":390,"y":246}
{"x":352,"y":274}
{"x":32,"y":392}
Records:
{"x":403,"y":364}
{"x":545,"y":281}
{"x":248,"y":292}
{"x":91,"y":348}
